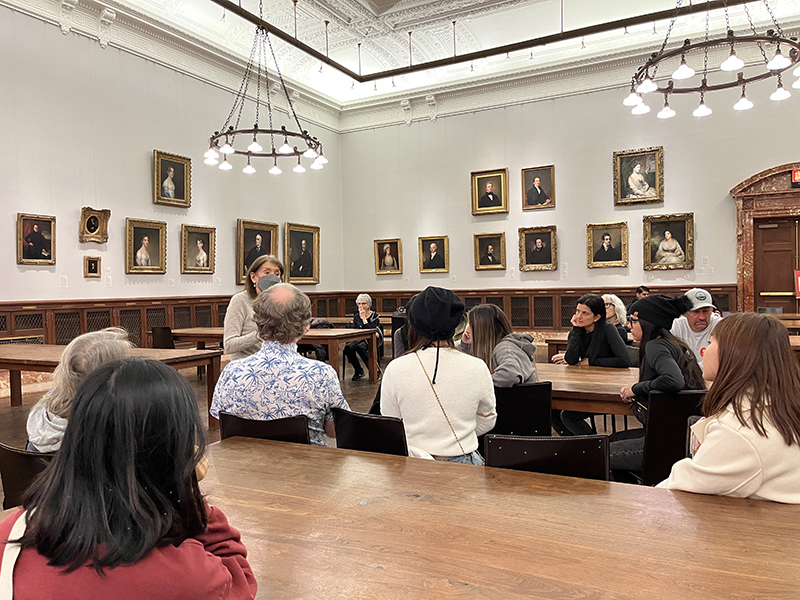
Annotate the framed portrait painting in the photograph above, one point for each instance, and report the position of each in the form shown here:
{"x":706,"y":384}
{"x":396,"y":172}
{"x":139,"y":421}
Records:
{"x":539,"y":187}
{"x":538,"y":248}
{"x":36,"y":239}
{"x":94,"y":225}
{"x":198,"y":246}
{"x":490,"y":251}
{"x":388,"y":257}
{"x":607,"y":245}
{"x":434,"y":254}
{"x":91,"y":267}
{"x":145,"y":247}
{"x":172,"y":181}
{"x":490,"y":192}
{"x":639,"y":175}
{"x":668,"y":241}
{"x":301,"y":246}
{"x":253,"y":239}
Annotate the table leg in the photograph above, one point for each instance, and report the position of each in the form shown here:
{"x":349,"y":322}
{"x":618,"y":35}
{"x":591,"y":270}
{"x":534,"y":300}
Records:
{"x":211,"y":383}
{"x":333,"y":357}
{"x":201,"y":345}
{"x":373,"y":358}
{"x":15,"y":377}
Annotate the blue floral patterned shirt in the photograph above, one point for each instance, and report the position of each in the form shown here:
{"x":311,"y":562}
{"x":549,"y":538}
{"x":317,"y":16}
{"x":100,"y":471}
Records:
{"x":277,"y":382}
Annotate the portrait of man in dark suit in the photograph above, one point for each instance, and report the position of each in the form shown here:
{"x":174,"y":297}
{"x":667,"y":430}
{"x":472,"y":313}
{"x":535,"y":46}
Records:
{"x":489,"y":258}
{"x":537,"y":187}
{"x":490,"y":198}
{"x":433,"y":254}
{"x":607,"y":252}
{"x":539,"y":251}
{"x":303,"y":265}
{"x":435,"y":260}
{"x":259,"y":249}
{"x":536,"y":196}
{"x":490,"y":251}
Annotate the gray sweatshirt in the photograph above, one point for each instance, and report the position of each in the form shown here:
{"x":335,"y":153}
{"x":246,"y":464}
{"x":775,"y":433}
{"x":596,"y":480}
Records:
{"x":512,"y":360}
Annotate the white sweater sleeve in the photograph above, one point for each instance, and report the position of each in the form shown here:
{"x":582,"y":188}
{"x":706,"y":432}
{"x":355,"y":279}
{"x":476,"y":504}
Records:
{"x":726,"y":464}
{"x":236,"y":341}
{"x":486,"y":415}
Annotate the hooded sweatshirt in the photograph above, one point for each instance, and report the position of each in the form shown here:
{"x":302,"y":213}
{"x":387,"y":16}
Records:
{"x":512,"y":360}
{"x":45,"y":430}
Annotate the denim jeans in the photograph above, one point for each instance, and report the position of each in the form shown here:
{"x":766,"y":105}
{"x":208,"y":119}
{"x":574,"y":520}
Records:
{"x":473,"y":458}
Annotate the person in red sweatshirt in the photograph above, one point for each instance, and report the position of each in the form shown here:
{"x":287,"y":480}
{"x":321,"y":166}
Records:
{"x":118,"y":512}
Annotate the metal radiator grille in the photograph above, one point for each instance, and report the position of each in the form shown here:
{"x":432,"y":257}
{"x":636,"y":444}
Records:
{"x":3,"y":323}
{"x":471,"y":302}
{"x":520,"y":312}
{"x":202,"y":316}
{"x":221,"y":310}
{"x":333,"y":307}
{"x":350,"y":307}
{"x":156,"y":317}
{"x":543,"y":311}
{"x":68,"y":327}
{"x":98,"y":319}
{"x":568,"y":304}
{"x":322,"y":308}
{"x":29,"y":321}
{"x":498,"y":302}
{"x":182,"y":317}
{"x":131,"y":321}
{"x":389,"y":305}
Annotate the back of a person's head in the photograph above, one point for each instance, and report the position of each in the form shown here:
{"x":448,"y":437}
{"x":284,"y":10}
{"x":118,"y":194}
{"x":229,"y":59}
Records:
{"x":489,"y":325}
{"x":82,"y":356}
{"x":282,"y":313}
{"x":123,"y":481}
{"x":757,"y":370}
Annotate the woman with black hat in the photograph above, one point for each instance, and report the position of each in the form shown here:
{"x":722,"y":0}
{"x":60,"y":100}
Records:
{"x":444,"y":396}
{"x":666,"y":364}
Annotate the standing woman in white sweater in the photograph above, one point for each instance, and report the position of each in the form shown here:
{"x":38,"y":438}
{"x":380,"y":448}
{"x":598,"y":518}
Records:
{"x":241,"y":334}
{"x":749,"y":440}
{"x":444,"y":396}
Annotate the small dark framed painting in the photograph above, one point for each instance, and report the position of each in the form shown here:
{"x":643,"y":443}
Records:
{"x":388,"y":257}
{"x":172,"y":181}
{"x":539,"y":187}
{"x":538,"y":248}
{"x":94,"y":225}
{"x":36,"y":239}
{"x":607,"y":245}
{"x":490,"y":251}
{"x":198,"y":245}
{"x":639,"y":175}
{"x":253,"y":239}
{"x":91,"y":267}
{"x":434,"y":254}
{"x":302,"y":253}
{"x":145,"y":247}
{"x":490,"y":192}
{"x":668,"y":241}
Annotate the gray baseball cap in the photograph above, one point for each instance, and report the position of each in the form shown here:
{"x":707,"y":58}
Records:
{"x":700,"y":298}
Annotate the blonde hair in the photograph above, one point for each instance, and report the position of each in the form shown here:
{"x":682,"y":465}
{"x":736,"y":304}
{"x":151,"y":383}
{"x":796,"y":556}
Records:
{"x":82,"y":356}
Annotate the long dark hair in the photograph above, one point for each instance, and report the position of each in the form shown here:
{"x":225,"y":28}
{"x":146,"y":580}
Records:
{"x":124,"y":479}
{"x":596,"y":305}
{"x":687,"y":363}
{"x":489,"y":325}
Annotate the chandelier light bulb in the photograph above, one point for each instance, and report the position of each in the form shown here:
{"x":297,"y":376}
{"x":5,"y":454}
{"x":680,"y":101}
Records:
{"x":666,"y":112}
{"x":796,"y":85}
{"x":255,"y":146}
{"x":684,"y":71}
{"x":226,"y":148}
{"x":743,"y":103}
{"x":780,"y":94}
{"x":640,"y":109}
{"x":321,"y":158}
{"x":779,"y":61}
{"x":310,"y":153}
{"x":702,"y":110}
{"x":210,"y":153}
{"x":248,"y":168}
{"x":632,"y":99}
{"x":316,"y":166}
{"x":732,"y":63}
{"x":796,"y":72}
{"x":285,"y":148}
{"x":211,"y":161}
{"x":225,"y":166}
{"x":275,"y":169}
{"x":298,"y":168}
{"x":646,"y":86}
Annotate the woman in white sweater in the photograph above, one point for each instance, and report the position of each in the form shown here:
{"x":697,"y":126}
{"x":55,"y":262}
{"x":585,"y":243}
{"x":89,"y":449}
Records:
{"x":749,"y":441}
{"x":445,"y":397}
{"x":241,"y":334}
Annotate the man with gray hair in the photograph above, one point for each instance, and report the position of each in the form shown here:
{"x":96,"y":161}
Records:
{"x":277,"y":382}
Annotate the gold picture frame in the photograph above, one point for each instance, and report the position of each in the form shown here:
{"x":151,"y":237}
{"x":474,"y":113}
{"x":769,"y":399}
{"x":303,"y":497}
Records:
{"x":91,"y":267}
{"x":247,"y":247}
{"x":485,"y":245}
{"x":94,"y":225}
{"x":486,"y":201}
{"x":645,"y":185}
{"x":542,"y":196}
{"x":301,"y":247}
{"x":36,"y":239}
{"x":198,"y":249}
{"x":616,"y":254}
{"x":390,"y":263}
{"x":677,"y":252}
{"x":145,"y":258}
{"x":538,"y":248}
{"x":441,"y":260}
{"x":172,"y":188}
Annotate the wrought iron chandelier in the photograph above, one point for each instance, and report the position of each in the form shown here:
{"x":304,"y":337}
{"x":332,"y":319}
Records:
{"x":296,"y":144}
{"x":643,"y":81}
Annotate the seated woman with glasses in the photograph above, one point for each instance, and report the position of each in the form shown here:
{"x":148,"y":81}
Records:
{"x":617,"y":315}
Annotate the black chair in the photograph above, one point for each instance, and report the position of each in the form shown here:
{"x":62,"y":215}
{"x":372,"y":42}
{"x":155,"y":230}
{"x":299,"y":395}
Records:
{"x":583,"y":456}
{"x":665,"y":434}
{"x":162,"y":338}
{"x":369,"y":433}
{"x":290,"y":429}
{"x":18,"y":469}
{"x":522,"y":410}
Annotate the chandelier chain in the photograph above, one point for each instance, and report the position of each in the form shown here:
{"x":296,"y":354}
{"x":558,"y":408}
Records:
{"x":242,"y":88}
{"x":774,"y":20}
{"x":753,"y":29}
{"x":283,"y":83}
{"x":669,"y":32}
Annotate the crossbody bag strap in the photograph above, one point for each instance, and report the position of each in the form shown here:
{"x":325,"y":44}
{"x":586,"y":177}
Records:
{"x":433,"y":389}
{"x":10,"y":555}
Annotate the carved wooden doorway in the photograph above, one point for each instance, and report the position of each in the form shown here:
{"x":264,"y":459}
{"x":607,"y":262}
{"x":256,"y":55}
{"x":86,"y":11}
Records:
{"x":762,"y":202}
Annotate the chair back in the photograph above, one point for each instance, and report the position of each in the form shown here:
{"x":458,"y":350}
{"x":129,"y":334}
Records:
{"x":633,"y":355}
{"x":162,"y":338}
{"x":18,"y":469}
{"x":290,"y":429}
{"x":524,"y":409}
{"x":665,"y":434}
{"x":583,"y":456}
{"x":369,"y":433}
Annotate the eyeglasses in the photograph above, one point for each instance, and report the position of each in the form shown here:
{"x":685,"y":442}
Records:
{"x":633,"y":319}
{"x":609,"y":304}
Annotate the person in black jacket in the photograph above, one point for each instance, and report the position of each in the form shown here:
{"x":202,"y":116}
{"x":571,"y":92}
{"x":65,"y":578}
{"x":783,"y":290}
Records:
{"x":593,"y":341}
{"x":365,"y":318}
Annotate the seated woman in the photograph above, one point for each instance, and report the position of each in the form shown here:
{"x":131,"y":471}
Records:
{"x":666,"y":364}
{"x":750,"y":437}
{"x":118,"y":512}
{"x":48,"y":419}
{"x":508,"y":355}
{"x":669,"y":250}
{"x":617,"y":315}
{"x":445,"y":397}
{"x":241,"y":334}
{"x":593,"y":341}
{"x":365,"y":318}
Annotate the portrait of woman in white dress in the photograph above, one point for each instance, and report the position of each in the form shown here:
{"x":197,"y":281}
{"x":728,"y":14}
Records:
{"x":388,"y":262}
{"x":639,"y":188}
{"x":142,"y":254}
{"x":202,"y":258}
{"x":168,"y":187}
{"x":669,"y":250}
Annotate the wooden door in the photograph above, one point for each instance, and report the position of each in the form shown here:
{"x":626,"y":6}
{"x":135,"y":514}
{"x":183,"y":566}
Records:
{"x":775,"y":259}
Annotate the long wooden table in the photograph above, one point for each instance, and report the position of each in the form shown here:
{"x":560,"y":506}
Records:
{"x":589,"y":389}
{"x":332,"y":338}
{"x":44,"y":358}
{"x":321,"y":522}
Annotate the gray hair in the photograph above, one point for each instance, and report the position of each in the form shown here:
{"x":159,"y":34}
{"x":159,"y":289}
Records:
{"x":282,"y":313}
{"x":364,"y":298}
{"x":619,"y":308}
{"x":82,"y":356}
